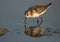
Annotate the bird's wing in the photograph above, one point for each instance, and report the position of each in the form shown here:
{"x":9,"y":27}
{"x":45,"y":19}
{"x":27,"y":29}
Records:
{"x":40,"y":9}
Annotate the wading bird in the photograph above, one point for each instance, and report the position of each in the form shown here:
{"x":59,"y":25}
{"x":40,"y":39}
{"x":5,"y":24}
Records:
{"x":36,"y":11}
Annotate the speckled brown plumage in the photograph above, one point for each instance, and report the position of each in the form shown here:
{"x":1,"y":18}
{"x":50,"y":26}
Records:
{"x":36,"y":10}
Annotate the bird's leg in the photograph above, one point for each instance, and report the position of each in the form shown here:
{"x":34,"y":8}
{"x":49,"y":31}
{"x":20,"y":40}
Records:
{"x":41,"y":21}
{"x":25,"y":26}
{"x":25,"y":22}
{"x":37,"y":21}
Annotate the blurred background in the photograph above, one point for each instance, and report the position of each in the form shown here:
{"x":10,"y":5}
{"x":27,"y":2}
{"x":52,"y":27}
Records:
{"x":12,"y":18}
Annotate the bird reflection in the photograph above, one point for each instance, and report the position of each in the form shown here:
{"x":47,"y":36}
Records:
{"x":34,"y":31}
{"x":3,"y":31}
{"x":37,"y":31}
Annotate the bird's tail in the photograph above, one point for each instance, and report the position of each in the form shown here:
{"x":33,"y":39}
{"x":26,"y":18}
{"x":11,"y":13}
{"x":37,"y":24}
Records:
{"x":49,"y":4}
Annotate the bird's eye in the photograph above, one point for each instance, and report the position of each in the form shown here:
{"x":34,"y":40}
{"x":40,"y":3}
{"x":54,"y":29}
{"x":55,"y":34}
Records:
{"x":27,"y":31}
{"x":27,"y":14}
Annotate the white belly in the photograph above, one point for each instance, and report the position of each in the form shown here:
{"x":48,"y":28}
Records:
{"x":37,"y":15}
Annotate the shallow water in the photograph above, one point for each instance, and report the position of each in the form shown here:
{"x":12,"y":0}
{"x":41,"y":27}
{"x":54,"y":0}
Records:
{"x":12,"y":17}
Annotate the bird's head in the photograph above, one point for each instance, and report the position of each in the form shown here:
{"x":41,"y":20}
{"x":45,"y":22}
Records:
{"x":27,"y":14}
{"x":28,"y":31}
